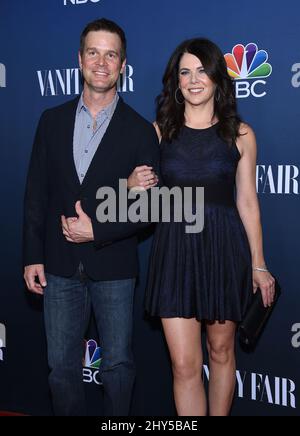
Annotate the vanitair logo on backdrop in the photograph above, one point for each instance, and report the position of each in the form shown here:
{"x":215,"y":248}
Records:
{"x":91,"y":363}
{"x":2,"y":76}
{"x":296,"y":76}
{"x":79,"y":2}
{"x":277,"y":179}
{"x":248,"y":67}
{"x":263,"y":388}
{"x":2,"y":340}
{"x":67,"y":81}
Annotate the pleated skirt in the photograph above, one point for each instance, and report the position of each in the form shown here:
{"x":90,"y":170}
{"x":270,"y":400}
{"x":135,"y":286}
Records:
{"x":206,"y":275}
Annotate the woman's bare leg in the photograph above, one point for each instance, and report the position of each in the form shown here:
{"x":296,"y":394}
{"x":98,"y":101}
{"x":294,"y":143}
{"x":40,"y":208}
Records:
{"x":222,"y":367}
{"x":184,"y":341}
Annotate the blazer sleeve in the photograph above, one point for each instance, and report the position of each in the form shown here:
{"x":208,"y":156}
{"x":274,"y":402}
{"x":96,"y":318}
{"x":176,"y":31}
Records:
{"x":35,"y":199}
{"x":148,"y":153}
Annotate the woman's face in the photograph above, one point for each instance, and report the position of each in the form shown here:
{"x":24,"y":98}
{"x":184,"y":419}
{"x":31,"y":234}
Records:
{"x":196,"y":87}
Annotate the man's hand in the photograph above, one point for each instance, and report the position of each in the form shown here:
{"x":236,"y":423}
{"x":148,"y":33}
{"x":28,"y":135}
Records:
{"x":79,"y":229}
{"x":30,"y":273}
{"x":142,"y":177}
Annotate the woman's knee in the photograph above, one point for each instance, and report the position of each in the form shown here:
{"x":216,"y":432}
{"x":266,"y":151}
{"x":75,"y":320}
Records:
{"x":187,"y":367}
{"x":220,"y":352}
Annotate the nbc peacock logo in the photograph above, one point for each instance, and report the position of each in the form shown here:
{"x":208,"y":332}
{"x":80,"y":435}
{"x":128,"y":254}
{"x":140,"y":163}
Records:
{"x":248,"y":62}
{"x":91,"y":362}
{"x":92,"y":354}
{"x":248,"y":66}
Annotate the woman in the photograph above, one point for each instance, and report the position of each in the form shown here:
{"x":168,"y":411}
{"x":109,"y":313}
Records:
{"x":206,"y":278}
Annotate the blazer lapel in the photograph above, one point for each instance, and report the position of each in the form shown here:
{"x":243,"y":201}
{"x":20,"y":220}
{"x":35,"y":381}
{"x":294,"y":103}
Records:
{"x":67,"y":145}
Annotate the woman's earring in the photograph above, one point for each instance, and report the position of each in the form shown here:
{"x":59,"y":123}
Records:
{"x":217,"y":95}
{"x":176,"y":98}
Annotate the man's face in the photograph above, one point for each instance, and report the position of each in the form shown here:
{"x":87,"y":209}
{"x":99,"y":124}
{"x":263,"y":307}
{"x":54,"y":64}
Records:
{"x":101,"y":61}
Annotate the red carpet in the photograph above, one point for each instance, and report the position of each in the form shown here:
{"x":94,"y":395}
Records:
{"x":5,"y":413}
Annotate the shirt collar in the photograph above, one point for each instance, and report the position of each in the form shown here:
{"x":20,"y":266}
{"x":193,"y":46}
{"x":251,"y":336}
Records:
{"x":108,"y":110}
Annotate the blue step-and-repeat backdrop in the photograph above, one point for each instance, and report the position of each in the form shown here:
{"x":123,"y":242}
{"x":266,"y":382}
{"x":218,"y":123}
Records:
{"x":39,"y":42}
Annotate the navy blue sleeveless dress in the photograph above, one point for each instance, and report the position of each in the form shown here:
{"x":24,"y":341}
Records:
{"x":206,"y":275}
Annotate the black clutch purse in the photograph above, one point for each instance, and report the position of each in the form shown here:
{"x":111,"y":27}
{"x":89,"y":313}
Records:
{"x":256,"y":317}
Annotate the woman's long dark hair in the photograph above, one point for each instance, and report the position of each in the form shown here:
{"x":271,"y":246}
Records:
{"x":170,"y":114}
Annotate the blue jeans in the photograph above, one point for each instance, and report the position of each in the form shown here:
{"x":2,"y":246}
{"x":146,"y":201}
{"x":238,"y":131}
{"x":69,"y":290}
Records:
{"x":67,"y":306}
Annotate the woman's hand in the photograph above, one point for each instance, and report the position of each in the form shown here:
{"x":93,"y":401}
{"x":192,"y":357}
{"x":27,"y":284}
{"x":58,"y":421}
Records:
{"x":142,"y":177}
{"x":266,"y":283}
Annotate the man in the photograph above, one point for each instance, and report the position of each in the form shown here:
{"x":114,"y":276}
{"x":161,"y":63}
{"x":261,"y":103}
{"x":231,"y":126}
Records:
{"x":87,"y":143}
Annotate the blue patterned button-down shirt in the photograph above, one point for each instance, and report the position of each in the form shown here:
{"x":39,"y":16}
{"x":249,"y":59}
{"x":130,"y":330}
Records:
{"x":88,"y":133}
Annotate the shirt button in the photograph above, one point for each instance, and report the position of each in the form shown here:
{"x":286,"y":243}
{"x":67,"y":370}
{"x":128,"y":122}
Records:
{"x":88,"y":126}
{"x":86,"y":151}
{"x":81,"y":175}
